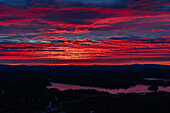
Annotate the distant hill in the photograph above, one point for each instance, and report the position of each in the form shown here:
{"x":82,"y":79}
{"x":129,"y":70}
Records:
{"x":99,"y":76}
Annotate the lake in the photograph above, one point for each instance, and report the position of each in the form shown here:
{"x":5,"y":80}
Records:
{"x":140,"y":88}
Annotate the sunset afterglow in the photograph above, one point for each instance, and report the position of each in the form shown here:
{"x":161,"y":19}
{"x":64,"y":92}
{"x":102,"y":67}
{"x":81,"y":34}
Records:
{"x":84,"y":33}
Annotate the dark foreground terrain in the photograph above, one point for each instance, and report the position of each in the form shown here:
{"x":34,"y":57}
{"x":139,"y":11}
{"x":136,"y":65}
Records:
{"x":23,"y":89}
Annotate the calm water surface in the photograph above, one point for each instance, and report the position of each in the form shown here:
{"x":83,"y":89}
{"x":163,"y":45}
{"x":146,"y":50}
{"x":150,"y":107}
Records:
{"x":134,"y":89}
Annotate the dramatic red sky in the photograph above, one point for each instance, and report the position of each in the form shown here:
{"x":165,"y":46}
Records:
{"x":78,"y":32}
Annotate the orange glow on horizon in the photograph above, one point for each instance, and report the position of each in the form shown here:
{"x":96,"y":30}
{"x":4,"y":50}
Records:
{"x":100,"y":52}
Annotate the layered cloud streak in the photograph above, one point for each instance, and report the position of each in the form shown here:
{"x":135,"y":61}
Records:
{"x":92,"y":32}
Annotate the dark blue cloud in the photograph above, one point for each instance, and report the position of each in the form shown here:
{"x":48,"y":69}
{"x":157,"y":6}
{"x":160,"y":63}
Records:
{"x":65,"y":3}
{"x":86,"y":3}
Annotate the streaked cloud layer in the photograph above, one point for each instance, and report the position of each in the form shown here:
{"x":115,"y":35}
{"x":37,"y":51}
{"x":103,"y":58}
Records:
{"x":84,"y":32}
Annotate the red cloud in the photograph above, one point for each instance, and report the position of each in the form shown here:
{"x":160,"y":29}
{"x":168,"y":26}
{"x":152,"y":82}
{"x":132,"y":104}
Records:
{"x":160,"y":30}
{"x":166,"y":36}
{"x":53,"y":31}
{"x":146,"y":4}
{"x":88,"y":49}
{"x":104,"y":18}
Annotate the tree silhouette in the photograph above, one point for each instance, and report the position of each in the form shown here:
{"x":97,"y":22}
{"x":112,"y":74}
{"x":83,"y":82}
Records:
{"x":153,"y":88}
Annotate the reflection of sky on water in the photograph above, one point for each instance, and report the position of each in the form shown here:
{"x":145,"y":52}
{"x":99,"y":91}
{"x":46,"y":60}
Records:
{"x":156,"y":79}
{"x":135,"y":89}
{"x":166,"y":89}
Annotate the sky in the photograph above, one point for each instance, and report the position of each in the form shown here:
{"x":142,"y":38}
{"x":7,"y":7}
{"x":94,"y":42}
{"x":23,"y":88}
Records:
{"x":84,"y":32}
